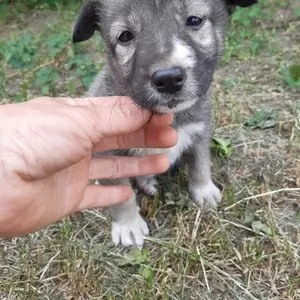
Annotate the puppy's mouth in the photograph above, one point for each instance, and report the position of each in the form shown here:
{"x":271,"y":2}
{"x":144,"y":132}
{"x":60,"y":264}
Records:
{"x":174,"y":106}
{"x":173,"y":103}
{"x":166,"y":103}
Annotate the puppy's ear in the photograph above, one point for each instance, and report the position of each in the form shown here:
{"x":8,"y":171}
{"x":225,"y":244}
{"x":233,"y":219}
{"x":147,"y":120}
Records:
{"x":241,"y":3}
{"x":87,"y":21}
{"x":232,"y":4}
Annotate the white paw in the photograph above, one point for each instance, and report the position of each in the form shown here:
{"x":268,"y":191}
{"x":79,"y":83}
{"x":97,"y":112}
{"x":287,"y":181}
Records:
{"x":149,"y":185}
{"x":205,"y":195}
{"x":130,"y":233}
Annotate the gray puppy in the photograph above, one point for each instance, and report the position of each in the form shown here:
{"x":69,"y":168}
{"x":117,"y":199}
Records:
{"x":163,"y":54}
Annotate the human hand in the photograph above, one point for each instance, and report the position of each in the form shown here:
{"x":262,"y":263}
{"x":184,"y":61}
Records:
{"x":46,"y":148}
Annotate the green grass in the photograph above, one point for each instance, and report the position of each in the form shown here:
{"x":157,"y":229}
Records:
{"x":249,"y":248}
{"x":16,"y":9}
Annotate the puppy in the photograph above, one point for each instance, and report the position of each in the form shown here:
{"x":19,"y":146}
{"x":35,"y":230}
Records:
{"x":163,"y":54}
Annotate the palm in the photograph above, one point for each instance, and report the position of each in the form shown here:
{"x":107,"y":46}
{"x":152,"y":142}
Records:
{"x":68,"y":185}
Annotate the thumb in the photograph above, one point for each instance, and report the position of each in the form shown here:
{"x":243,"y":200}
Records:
{"x":109,"y":116}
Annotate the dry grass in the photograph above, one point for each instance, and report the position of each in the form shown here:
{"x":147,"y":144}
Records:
{"x":248,"y":249}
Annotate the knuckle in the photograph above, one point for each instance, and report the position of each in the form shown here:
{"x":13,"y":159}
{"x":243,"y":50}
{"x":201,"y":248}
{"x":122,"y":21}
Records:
{"x":115,"y":168}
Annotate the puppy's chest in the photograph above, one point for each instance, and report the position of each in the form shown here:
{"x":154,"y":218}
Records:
{"x":186,"y":139}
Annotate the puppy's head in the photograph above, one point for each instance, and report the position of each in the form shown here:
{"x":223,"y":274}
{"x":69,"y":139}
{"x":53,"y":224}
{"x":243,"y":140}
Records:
{"x":164,"y":51}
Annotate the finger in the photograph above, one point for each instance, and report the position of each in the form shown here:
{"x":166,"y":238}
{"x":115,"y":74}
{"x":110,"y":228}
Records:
{"x":147,"y":137}
{"x":104,"y":102}
{"x":109,"y":116}
{"x":156,"y":120}
{"x":119,"y":167}
{"x":96,"y":196}
{"x":161,"y":120}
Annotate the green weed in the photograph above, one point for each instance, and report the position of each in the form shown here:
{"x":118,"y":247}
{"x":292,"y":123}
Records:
{"x":262,"y":120}
{"x":19,"y":53}
{"x":222,"y":147}
{"x":14,"y":9}
{"x":45,"y":79}
{"x":84,"y":66}
{"x":291,"y":76}
{"x":56,"y":43}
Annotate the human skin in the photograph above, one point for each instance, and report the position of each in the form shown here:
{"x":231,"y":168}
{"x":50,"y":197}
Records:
{"x":46,"y":161}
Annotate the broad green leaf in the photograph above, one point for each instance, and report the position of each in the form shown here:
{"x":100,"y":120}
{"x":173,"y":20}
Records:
{"x":19,"y":53}
{"x":258,"y":226}
{"x":291,"y":76}
{"x":262,"y":119}
{"x":147,"y":273}
{"x":46,"y":75}
{"x":18,"y":98}
{"x":222,"y":147}
{"x":45,"y":90}
{"x":57,"y":43}
{"x":134,"y":257}
{"x":88,"y":79}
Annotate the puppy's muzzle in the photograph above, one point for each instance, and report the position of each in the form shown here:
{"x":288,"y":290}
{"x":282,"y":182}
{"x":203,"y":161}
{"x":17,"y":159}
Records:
{"x":168,"y":81}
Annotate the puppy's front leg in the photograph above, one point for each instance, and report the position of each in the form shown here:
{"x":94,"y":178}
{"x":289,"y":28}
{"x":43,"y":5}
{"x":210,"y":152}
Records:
{"x":201,"y":188}
{"x":148,"y":184}
{"x":128,"y":227}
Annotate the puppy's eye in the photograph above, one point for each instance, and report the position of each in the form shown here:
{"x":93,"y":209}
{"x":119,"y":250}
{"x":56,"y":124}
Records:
{"x":126,"y":36}
{"x":194,"y":21}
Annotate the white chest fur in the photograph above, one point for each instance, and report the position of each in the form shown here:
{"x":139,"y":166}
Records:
{"x":185,"y":139}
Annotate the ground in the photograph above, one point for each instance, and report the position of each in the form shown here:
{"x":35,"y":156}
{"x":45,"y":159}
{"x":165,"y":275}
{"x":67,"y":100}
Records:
{"x":248,"y":249}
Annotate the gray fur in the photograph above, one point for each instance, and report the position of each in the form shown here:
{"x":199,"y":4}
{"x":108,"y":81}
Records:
{"x":162,"y":40}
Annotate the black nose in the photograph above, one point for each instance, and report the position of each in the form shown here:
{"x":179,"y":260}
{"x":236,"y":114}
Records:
{"x":168,"y":81}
